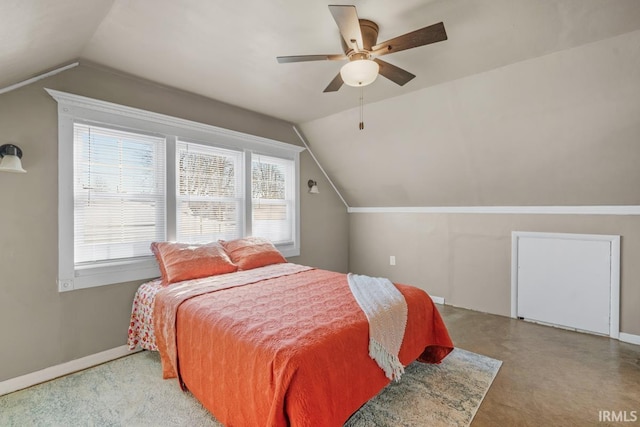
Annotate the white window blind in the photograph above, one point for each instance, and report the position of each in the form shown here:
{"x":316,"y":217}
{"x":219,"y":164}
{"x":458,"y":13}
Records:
{"x":119,"y":193}
{"x":209,"y":193}
{"x":273,"y":198}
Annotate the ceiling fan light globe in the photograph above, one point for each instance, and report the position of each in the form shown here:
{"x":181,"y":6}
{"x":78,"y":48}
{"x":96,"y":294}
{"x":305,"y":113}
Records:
{"x":361,"y":72}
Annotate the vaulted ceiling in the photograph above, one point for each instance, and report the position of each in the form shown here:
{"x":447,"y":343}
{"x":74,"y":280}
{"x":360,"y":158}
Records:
{"x":226,"y":50}
{"x":528,"y":102}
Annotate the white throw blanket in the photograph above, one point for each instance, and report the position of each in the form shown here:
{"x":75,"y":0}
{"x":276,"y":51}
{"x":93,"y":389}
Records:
{"x":386,"y":310}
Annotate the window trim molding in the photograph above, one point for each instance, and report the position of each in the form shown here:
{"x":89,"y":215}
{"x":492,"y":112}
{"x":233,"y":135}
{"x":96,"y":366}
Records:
{"x":73,"y":104}
{"x":75,"y":107}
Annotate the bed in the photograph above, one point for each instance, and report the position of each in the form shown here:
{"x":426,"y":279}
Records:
{"x":278,"y":344}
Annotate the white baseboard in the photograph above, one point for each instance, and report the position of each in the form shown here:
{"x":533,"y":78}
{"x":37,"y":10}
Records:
{"x":48,"y":374}
{"x":437,"y":300}
{"x":630,"y":338}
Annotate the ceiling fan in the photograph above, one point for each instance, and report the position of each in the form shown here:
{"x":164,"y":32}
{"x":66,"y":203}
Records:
{"x":359,"y":37}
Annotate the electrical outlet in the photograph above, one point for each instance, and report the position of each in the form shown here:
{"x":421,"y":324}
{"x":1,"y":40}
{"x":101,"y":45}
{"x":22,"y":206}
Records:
{"x":392,"y":260}
{"x":65,"y":285}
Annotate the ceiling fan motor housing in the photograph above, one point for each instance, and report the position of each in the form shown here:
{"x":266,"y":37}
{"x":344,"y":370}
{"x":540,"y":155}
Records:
{"x":369,"y":30}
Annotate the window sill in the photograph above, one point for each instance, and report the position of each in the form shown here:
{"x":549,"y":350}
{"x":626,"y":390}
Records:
{"x":108,"y":274}
{"x":288,"y":250}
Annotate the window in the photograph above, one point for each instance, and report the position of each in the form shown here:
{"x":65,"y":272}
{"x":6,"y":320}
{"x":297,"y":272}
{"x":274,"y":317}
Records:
{"x":209,"y":196}
{"x":128,"y":177}
{"x":272,"y":194}
{"x":118,"y":192}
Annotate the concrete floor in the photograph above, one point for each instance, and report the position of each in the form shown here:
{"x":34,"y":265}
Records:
{"x":549,"y":376}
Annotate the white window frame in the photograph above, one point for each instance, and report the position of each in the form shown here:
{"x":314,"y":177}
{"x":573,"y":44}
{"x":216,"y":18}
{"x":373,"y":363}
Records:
{"x":79,"y":108}
{"x":240,"y":182}
{"x":160,"y":198}
{"x":288,"y":191}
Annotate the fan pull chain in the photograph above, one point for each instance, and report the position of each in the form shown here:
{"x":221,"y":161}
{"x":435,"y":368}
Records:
{"x":361,"y":126}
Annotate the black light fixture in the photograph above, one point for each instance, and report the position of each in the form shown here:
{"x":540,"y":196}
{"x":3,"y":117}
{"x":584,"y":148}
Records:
{"x":313,"y":187}
{"x":11,"y":155}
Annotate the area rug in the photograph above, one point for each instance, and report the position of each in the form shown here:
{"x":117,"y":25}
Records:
{"x":131,"y":392}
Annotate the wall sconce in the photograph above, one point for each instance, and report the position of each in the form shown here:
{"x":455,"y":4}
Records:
{"x":11,"y":156}
{"x":313,"y":187}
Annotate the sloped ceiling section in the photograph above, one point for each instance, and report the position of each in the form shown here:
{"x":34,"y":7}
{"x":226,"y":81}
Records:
{"x":37,"y":35}
{"x":562,"y":129}
{"x":226,"y":50}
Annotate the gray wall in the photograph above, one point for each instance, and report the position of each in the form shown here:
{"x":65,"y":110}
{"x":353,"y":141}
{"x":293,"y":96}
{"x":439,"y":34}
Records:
{"x":466,"y":258}
{"x":40,"y":327}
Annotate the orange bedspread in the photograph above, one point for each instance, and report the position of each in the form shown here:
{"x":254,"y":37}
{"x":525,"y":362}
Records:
{"x":291,"y":350}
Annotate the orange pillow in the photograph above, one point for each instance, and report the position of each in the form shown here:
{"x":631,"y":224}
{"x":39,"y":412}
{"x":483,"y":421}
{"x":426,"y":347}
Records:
{"x":252,"y":252}
{"x":183,"y":261}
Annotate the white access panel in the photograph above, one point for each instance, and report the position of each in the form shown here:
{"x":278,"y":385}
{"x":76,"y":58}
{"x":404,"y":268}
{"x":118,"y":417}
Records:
{"x":568,"y":280}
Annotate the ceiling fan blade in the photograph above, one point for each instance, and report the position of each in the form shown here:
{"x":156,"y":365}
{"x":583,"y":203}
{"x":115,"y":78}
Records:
{"x":335,"y":84}
{"x":346,"y":18}
{"x":393,"y":73}
{"x":427,"y":35}
{"x":303,"y":58}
